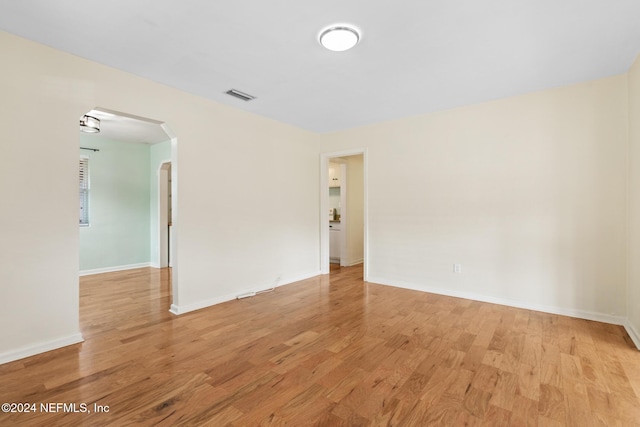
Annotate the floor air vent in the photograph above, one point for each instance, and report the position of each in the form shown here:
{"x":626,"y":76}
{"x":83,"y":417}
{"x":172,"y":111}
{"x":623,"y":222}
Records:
{"x":240,"y":95}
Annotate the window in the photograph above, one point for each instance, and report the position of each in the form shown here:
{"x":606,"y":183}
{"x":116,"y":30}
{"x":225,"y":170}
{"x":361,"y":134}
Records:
{"x":84,"y":191}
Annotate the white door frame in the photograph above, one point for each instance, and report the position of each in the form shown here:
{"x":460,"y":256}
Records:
{"x":175,"y":225}
{"x":163,"y":214}
{"x":324,"y":208}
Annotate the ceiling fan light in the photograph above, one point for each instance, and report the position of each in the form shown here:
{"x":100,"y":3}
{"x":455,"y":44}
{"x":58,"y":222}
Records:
{"x":339,"y":38}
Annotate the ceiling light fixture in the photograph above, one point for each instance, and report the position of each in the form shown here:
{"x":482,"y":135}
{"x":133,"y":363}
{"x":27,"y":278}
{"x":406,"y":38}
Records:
{"x":339,"y":38}
{"x":89,"y":124}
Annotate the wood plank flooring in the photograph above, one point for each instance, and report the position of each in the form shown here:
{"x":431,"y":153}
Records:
{"x":328,"y":351}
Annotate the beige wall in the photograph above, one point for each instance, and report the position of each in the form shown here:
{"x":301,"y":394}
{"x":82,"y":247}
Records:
{"x":633,"y":297}
{"x":247,"y":201}
{"x":527,"y":193}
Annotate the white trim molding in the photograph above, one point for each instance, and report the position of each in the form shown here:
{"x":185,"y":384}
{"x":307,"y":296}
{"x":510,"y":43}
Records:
{"x":633,"y":333}
{"x":580,"y":314}
{"x":116,"y":268}
{"x":32,"y":350}
{"x":182,"y":309}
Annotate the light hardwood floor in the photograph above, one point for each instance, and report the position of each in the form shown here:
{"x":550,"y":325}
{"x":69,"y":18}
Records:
{"x":328,"y":351}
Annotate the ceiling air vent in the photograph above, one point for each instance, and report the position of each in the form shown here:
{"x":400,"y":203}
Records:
{"x":240,"y":95}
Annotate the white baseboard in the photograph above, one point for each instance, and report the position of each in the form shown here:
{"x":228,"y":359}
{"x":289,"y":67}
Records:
{"x":351,"y":263}
{"x":156,"y":265}
{"x":182,"y":309}
{"x":115,"y":268}
{"x":32,"y":350}
{"x":633,"y":333}
{"x":569,"y":312}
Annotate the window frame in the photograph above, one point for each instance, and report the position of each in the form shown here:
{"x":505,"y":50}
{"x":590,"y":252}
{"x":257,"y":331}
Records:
{"x":84,"y":192}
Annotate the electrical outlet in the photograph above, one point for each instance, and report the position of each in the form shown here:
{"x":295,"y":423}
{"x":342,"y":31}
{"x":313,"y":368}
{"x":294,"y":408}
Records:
{"x":457,"y":268}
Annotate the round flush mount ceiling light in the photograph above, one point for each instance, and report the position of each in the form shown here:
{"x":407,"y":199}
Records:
{"x":339,"y":38}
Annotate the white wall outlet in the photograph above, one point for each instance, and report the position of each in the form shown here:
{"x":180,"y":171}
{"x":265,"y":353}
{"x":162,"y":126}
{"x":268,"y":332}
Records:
{"x":457,"y":268}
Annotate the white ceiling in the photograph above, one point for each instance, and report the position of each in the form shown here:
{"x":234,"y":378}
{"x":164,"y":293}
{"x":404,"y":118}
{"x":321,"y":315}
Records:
{"x":415,"y":56}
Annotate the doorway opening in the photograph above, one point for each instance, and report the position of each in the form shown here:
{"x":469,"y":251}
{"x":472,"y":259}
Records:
{"x":343,"y":189}
{"x":132,"y":196}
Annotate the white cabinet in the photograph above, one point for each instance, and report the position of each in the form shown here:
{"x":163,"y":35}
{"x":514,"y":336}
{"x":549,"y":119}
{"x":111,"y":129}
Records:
{"x":334,"y":175}
{"x":334,"y":242}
